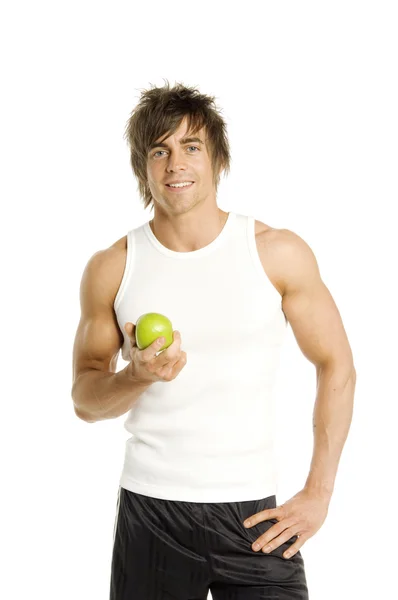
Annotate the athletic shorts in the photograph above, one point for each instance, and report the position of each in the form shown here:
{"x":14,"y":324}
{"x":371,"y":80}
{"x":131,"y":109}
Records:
{"x":175,"y":550}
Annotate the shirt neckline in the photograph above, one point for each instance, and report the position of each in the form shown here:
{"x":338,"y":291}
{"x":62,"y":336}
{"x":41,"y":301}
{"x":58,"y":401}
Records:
{"x":194,"y":253}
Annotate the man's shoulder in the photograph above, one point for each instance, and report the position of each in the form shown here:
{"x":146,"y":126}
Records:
{"x":116,"y":256}
{"x":106,"y":268}
{"x":120,"y":244}
{"x":262,"y":229}
{"x":283,"y":253}
{"x":108,"y":258}
{"x":282,"y":238}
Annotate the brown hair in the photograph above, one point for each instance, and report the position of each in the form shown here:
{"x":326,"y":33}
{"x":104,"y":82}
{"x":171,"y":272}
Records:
{"x":160,"y":111}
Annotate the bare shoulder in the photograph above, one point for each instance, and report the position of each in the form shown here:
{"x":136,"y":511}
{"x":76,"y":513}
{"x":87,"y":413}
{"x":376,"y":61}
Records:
{"x":119,"y":248}
{"x":116,"y":256}
{"x":107,"y":267}
{"x":286,"y":257}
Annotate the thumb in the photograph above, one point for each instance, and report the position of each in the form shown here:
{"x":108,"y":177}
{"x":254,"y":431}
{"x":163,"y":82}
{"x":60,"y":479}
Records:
{"x":129,"y":328}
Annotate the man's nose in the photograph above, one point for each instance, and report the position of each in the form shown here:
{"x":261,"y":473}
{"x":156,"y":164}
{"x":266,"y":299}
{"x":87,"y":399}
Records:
{"x":176,"y":161}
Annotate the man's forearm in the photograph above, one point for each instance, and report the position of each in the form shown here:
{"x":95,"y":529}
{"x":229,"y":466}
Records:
{"x":332,"y":419}
{"x":99,"y":395}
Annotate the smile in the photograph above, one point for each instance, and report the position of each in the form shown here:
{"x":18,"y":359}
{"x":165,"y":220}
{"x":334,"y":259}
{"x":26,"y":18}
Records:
{"x":179,"y":188}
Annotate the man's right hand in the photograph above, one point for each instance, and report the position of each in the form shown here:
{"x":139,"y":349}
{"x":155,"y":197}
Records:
{"x":149,"y":368}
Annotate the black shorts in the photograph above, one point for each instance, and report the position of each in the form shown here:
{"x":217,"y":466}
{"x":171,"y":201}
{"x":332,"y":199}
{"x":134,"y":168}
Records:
{"x":175,"y":550}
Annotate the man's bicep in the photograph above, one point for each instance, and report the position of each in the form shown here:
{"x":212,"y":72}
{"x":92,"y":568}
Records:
{"x":98,"y":338}
{"x":311,"y":310}
{"x":317,"y":325}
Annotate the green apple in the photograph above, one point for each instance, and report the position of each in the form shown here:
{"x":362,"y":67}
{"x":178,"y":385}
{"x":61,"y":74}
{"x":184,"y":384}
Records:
{"x":151,"y":326}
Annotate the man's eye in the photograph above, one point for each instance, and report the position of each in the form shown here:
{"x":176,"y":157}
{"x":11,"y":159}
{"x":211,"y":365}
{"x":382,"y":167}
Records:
{"x":157,"y":152}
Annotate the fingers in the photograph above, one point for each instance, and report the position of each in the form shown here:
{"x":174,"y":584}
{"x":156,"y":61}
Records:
{"x":170,"y":361}
{"x":147,"y":353}
{"x":165,"y":363}
{"x":171,"y":370}
{"x":267,"y":545}
{"x":294,"y":548}
{"x":263,"y":515}
{"x":168,"y":355}
{"x":179,"y":365}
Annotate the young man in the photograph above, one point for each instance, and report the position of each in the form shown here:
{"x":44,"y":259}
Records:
{"x":199,"y":464}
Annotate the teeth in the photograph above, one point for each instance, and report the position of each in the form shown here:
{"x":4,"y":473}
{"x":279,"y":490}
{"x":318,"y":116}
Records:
{"x":183,"y":184}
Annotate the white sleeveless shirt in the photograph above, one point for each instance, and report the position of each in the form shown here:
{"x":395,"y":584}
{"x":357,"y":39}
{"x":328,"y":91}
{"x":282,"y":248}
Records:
{"x":207,"y":435}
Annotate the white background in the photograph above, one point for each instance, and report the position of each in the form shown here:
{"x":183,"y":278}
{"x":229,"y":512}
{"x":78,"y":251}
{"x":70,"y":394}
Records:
{"x":309,"y":93}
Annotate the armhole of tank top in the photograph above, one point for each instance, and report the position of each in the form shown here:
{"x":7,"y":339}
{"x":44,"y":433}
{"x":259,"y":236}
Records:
{"x":126,"y":273}
{"x":251,"y":240}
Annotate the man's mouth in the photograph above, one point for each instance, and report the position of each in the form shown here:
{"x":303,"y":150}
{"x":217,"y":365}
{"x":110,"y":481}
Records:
{"x":180,"y":186}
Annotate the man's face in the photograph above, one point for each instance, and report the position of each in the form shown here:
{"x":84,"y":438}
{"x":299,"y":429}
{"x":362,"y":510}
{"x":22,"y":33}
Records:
{"x":180,"y":158}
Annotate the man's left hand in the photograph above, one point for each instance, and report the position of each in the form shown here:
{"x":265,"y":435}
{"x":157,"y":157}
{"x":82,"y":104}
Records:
{"x":302,"y":515}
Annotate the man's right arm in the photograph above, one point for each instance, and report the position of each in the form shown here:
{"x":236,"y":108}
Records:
{"x":98,"y":392}
{"x":99,"y":395}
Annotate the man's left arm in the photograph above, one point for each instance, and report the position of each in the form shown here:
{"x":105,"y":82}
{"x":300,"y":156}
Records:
{"x":320,"y":334}
{"x":319,"y":331}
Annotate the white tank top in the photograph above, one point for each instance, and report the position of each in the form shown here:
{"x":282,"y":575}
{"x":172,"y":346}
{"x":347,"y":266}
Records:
{"x":207,"y":435}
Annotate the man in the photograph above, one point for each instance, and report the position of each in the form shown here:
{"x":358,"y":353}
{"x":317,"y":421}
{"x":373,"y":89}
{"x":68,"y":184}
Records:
{"x":199,"y":465}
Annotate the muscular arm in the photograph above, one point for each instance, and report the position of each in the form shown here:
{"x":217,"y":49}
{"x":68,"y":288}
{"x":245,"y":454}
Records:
{"x":98,"y":392}
{"x":320,"y":334}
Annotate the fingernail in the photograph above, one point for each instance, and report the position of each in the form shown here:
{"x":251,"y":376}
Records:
{"x":247,"y":523}
{"x":161,"y":340}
